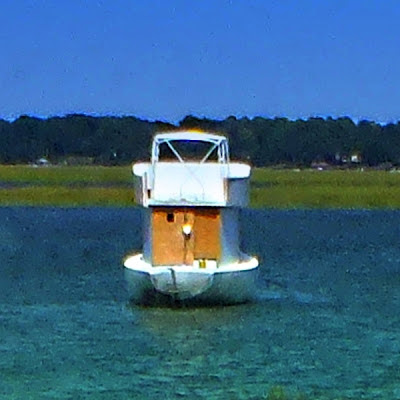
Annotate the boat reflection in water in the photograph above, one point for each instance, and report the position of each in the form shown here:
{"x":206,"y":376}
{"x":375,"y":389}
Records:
{"x":192,"y":195}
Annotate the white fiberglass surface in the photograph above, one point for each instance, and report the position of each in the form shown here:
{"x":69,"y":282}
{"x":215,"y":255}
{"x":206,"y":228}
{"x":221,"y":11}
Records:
{"x":136,"y":262}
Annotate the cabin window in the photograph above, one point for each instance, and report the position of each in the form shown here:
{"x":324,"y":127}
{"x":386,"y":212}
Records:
{"x":170,"y":217}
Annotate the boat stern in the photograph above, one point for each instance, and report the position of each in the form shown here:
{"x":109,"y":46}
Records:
{"x":233,"y":283}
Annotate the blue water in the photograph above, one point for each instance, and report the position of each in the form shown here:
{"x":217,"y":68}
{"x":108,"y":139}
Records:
{"x":326,"y":323}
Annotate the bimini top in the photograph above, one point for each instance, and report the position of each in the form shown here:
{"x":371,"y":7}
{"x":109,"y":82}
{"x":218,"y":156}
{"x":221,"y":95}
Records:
{"x":189,"y":135}
{"x":217,"y":142}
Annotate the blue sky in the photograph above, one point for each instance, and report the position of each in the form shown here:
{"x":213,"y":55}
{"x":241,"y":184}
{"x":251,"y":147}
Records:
{"x":210,"y":58}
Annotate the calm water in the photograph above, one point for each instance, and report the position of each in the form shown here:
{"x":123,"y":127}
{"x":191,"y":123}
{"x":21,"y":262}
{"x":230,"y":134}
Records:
{"x":326,"y":324}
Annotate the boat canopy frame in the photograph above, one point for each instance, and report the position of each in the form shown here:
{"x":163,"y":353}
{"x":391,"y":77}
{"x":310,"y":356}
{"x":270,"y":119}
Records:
{"x":216,"y":142}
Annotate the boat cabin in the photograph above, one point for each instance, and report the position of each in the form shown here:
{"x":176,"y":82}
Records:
{"x":192,"y":193}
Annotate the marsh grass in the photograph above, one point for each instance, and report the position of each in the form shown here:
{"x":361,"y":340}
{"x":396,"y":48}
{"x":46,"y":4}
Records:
{"x":65,"y":175}
{"x":113,"y":186}
{"x":325,"y":189}
{"x":66,"y":186}
{"x":62,"y":196}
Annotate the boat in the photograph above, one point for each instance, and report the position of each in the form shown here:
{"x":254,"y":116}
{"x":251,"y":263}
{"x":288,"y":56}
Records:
{"x":191,"y":196}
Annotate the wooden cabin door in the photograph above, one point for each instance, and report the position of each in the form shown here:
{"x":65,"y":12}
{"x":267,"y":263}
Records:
{"x":206,"y":232}
{"x":179,"y":236}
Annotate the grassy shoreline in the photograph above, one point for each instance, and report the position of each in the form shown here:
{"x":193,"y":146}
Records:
{"x":325,"y":189}
{"x":113,"y":186}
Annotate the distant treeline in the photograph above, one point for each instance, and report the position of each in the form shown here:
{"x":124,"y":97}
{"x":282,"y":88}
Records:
{"x":261,"y":141}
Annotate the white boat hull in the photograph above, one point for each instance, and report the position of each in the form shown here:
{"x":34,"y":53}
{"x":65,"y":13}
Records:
{"x":228,"y":284}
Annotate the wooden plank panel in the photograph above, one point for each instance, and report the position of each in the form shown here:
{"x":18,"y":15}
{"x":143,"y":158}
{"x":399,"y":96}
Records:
{"x":207,"y":226}
{"x":171,"y":247}
{"x":167,"y":238}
